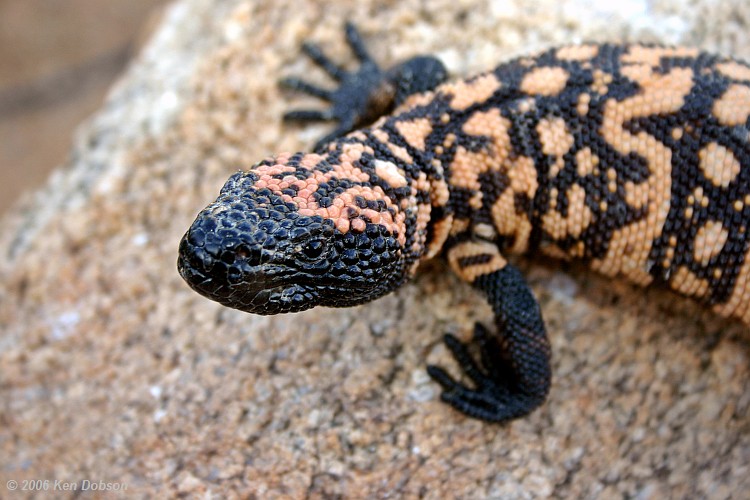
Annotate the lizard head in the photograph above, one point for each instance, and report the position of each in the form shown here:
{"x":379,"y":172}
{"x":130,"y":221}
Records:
{"x":277,"y":240}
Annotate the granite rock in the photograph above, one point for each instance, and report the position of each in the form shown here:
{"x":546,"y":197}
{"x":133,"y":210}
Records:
{"x":113,"y":370}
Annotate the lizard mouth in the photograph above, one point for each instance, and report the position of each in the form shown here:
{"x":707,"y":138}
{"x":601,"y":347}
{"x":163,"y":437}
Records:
{"x":265,"y":288}
{"x":258,"y":289}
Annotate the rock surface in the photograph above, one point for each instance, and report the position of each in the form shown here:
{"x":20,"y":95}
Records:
{"x":112,"y":370}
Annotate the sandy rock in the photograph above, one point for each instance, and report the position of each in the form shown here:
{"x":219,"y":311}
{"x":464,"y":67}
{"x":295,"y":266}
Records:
{"x":112,"y":369}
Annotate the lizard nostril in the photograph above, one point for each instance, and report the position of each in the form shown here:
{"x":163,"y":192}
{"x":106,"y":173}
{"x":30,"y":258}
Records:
{"x":248,"y":254}
{"x":242,"y":253}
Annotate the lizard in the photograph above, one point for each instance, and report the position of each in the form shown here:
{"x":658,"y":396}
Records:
{"x":632,"y":158}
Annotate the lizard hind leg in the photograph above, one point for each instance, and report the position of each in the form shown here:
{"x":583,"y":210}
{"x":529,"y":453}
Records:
{"x":513,"y":375}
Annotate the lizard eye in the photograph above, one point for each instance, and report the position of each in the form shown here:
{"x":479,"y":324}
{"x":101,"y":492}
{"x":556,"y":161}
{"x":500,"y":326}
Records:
{"x":313,"y":249}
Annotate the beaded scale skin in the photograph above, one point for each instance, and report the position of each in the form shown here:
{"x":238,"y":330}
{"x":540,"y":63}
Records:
{"x":633,"y":158}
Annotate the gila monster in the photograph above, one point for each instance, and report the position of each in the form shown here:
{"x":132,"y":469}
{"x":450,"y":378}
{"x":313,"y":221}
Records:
{"x":633,"y":158}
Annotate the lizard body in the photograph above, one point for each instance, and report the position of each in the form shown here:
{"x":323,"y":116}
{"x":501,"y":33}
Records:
{"x":633,"y":158}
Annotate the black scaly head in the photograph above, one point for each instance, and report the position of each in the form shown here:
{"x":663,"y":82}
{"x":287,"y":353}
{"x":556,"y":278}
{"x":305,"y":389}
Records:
{"x":252,"y":250}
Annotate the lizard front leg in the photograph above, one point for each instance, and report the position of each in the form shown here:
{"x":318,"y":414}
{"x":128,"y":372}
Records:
{"x":363,"y":95}
{"x":513,"y":375}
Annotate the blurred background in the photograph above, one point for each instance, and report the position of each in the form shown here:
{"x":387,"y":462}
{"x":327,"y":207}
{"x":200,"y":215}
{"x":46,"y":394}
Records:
{"x":57,"y":60}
